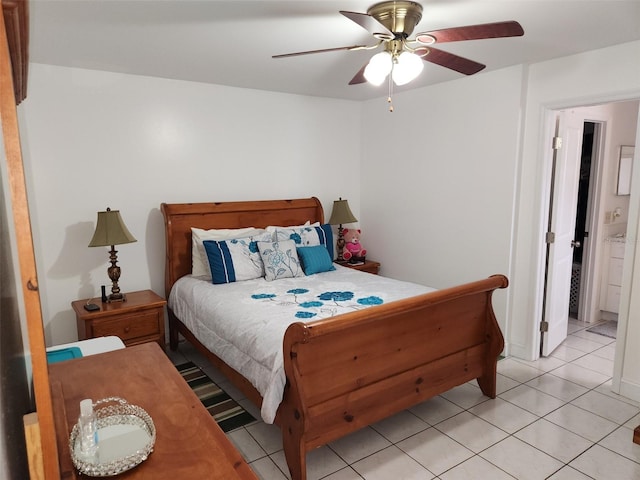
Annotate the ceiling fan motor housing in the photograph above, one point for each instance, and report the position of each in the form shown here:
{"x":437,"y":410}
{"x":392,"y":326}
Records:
{"x":398,"y":17}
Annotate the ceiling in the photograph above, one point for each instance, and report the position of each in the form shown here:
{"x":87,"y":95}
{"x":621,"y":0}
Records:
{"x":231,"y":42}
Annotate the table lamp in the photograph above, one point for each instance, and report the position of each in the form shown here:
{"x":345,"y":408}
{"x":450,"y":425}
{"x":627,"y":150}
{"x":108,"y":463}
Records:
{"x":111,"y":231}
{"x":340,"y":214}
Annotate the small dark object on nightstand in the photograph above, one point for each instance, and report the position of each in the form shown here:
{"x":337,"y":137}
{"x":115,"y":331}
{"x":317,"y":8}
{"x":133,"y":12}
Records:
{"x":91,"y":307}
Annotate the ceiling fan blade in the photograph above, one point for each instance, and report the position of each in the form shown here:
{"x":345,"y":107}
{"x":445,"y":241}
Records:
{"x":472,"y":32}
{"x":353,"y":47}
{"x":359,"y":77}
{"x":370,"y":24}
{"x":454,"y":62}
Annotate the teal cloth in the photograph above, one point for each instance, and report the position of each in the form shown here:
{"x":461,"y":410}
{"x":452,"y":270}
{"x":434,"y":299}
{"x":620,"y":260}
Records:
{"x":63,"y":354}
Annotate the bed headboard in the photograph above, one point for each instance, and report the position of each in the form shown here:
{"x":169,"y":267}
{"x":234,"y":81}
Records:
{"x":180,"y":217}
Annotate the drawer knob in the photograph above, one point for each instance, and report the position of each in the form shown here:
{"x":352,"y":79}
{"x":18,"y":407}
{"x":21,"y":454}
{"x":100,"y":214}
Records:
{"x":126,"y":329}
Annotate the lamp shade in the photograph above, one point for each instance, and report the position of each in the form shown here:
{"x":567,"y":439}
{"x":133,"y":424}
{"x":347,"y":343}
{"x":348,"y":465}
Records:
{"x":378,"y":68}
{"x":407,"y":68}
{"x":341,"y":213}
{"x":110,"y":230}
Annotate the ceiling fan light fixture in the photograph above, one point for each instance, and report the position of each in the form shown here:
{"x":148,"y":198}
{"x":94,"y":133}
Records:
{"x":378,"y":68}
{"x":407,"y":68}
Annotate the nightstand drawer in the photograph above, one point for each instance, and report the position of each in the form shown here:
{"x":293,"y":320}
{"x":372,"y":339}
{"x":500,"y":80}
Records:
{"x":129,"y":327}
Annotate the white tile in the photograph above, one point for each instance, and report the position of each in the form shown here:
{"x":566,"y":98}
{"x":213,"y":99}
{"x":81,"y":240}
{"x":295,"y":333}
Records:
{"x":543,"y":364}
{"x":581,"y":344}
{"x":517,"y":370}
{"x":359,"y":444}
{"x":268,"y":436}
{"x":391,"y":463}
{"x":569,"y":473}
{"x":603,"y":464}
{"x":320,"y":462}
{"x":400,"y":426}
{"x":435,"y":410}
{"x":608,"y":352}
{"x":504,"y":383}
{"x":434,"y":450}
{"x":465,"y":396}
{"x":473,"y":432}
{"x":634,"y":422}
{"x":504,"y":415}
{"x":621,"y":442}
{"x":595,"y":363}
{"x":563,"y":352}
{"x":521,"y":459}
{"x":581,"y":376}
{"x":265,"y":469}
{"x":606,"y":389}
{"x":246,"y":445}
{"x":554,"y":440}
{"x":344,"y":474}
{"x":557,"y":387}
{"x":581,"y":422}
{"x":474,"y":469}
{"x":532,"y":400}
{"x":594,"y":337}
{"x":607,"y":407}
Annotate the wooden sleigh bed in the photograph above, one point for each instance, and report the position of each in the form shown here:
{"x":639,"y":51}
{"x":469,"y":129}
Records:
{"x":349,"y":371}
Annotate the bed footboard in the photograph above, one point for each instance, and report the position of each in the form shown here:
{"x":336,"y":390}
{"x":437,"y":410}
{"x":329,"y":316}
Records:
{"x":346,"y":372}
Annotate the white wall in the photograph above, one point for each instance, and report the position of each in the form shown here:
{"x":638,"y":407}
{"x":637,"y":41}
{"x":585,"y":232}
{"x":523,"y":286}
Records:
{"x":448,"y":188}
{"x":440,"y":204}
{"x":93,"y":140}
{"x":438,"y":180}
{"x":591,"y":78}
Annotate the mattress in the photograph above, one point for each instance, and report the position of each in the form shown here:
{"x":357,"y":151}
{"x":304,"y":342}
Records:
{"x":244,"y":323}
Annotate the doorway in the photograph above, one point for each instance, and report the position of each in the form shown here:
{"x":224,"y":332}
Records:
{"x":591,"y":139}
{"x":580,"y":269}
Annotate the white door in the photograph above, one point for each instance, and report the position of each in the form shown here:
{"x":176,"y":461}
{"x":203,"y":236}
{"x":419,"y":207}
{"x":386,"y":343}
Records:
{"x":564,"y":195}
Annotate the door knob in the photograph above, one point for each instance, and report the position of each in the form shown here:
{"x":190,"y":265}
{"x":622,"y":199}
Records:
{"x":575,"y":244}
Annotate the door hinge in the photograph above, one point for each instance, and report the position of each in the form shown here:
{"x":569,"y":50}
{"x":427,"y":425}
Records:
{"x":556,"y":144}
{"x":550,"y":237}
{"x":544,"y":326}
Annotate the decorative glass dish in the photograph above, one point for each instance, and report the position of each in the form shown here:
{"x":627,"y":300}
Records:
{"x":126,"y":436}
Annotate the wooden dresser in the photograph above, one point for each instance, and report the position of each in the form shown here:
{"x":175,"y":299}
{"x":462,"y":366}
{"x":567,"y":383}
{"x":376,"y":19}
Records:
{"x":189,"y":443}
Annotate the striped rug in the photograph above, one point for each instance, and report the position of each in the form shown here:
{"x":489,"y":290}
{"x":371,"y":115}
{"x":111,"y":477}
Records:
{"x":226,"y":411}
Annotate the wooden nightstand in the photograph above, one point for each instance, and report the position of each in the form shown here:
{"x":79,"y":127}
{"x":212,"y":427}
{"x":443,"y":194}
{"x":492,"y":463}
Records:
{"x":139,"y":319}
{"x":368,"y":266}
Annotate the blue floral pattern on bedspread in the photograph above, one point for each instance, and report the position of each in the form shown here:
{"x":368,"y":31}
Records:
{"x":325,"y":304}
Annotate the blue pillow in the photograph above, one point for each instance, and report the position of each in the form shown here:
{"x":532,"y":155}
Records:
{"x":235,"y":260}
{"x":315,"y":259}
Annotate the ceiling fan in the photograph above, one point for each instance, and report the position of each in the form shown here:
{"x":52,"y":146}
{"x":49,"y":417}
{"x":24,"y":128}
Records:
{"x":391,"y":23}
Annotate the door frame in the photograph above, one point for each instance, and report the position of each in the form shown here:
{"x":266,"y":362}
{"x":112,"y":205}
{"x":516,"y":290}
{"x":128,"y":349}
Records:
{"x":596,"y":216}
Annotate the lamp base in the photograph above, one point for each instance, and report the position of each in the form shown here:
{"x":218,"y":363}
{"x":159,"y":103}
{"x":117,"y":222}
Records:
{"x":116,"y":297}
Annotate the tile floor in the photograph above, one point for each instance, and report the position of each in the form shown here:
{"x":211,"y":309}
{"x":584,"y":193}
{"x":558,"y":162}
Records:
{"x":554,"y":418}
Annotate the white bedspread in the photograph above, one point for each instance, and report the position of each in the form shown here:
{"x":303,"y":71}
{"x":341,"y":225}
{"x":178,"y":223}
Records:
{"x":243,"y":323}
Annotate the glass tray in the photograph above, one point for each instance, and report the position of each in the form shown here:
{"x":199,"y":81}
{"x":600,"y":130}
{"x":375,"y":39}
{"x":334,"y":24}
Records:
{"x":126,"y":436}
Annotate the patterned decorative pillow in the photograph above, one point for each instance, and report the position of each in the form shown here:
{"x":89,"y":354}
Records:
{"x":280,"y":260}
{"x":307,"y":236}
{"x":235,"y":260}
{"x":315,"y":259}
{"x":199,"y":259}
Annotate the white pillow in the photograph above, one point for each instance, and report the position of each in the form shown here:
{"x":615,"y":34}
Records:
{"x":280,"y":260}
{"x":199,"y":261}
{"x":273,"y":228}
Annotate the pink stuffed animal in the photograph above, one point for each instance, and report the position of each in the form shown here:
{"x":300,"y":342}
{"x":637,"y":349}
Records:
{"x":353,"y":247}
